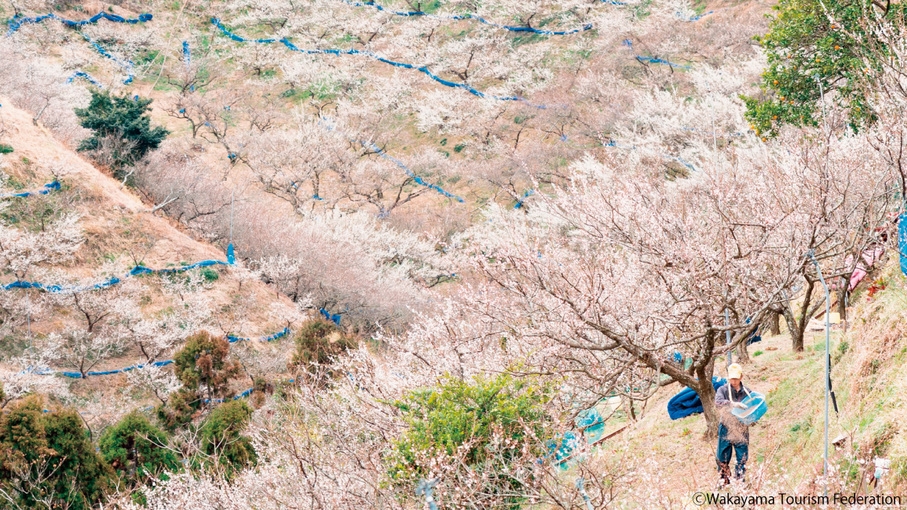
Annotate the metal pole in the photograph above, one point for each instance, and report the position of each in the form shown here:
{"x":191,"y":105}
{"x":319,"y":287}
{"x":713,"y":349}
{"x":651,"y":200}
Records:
{"x":727,"y":335}
{"x":812,"y":255}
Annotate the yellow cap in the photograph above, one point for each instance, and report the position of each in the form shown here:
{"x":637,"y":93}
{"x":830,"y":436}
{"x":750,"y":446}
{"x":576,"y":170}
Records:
{"x":735,"y":371}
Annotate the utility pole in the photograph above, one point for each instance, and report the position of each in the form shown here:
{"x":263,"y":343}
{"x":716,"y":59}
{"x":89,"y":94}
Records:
{"x":812,"y":255}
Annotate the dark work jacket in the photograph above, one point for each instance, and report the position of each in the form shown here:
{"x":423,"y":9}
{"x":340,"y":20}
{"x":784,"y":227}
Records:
{"x":723,"y":399}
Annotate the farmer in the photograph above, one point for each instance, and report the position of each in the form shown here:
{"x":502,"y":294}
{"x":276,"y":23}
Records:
{"x":732,"y":433}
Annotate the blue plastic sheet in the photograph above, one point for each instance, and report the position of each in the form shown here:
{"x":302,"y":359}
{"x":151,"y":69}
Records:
{"x":563,"y":448}
{"x":653,"y":60}
{"x":333,"y":51}
{"x":187,"y":53}
{"x":78,"y":375}
{"x":85,"y":76}
{"x":473,"y":16}
{"x":267,"y":338}
{"x":687,"y":402}
{"x":136,"y":271}
{"x":902,"y":241}
{"x":592,"y":424}
{"x":519,"y":203}
{"x":693,"y":18}
{"x":44,"y":190}
{"x":333,"y":317}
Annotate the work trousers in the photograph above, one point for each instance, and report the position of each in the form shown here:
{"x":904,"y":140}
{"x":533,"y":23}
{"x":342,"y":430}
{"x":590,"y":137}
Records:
{"x":725,"y":449}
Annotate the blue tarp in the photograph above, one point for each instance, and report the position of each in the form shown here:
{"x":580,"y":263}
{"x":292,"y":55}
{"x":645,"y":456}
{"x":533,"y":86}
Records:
{"x":333,"y":317}
{"x":687,"y":401}
{"x":519,"y":202}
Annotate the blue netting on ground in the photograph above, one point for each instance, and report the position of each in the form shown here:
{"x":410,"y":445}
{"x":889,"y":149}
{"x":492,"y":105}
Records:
{"x":653,"y":60}
{"x":695,"y":17}
{"x":325,"y":122}
{"x":519,"y":202}
{"x":268,"y":338}
{"x":136,"y":271}
{"x":187,"y":53}
{"x":474,"y":17}
{"x":87,"y":77}
{"x":16,"y":22}
{"x":365,"y":53}
{"x":44,"y":190}
{"x":244,"y":394}
{"x":125,"y":64}
{"x":333,"y":317}
{"x":78,"y":375}
{"x":377,"y":150}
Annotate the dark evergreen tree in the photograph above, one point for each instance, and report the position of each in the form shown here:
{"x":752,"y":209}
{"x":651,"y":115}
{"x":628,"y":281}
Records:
{"x":47,"y":459}
{"x":123,"y":120}
{"x":137,"y":450}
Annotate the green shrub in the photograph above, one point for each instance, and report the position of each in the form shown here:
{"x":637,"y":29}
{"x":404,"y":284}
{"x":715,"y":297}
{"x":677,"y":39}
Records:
{"x":224,"y":447}
{"x":5,"y":149}
{"x":46,"y":458}
{"x":136,"y":449}
{"x":488,"y":425}
{"x":210,"y":275}
{"x":203,"y":364}
{"x":317,"y":343}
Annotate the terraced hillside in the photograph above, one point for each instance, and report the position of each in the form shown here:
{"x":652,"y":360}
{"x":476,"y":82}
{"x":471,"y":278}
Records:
{"x":455,"y":254}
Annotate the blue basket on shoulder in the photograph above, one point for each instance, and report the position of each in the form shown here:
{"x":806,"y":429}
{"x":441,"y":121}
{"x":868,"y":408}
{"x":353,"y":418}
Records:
{"x":755,"y":408}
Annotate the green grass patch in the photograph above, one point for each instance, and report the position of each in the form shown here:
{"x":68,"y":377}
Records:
{"x":5,"y":149}
{"x":146,"y":57}
{"x":527,"y":39}
{"x":210,"y":275}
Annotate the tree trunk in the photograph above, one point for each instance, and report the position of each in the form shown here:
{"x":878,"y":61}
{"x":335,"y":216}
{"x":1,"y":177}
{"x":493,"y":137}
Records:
{"x":796,"y":336}
{"x":774,"y":323}
{"x":842,"y":303}
{"x":707,"y":395}
{"x":742,"y":353}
